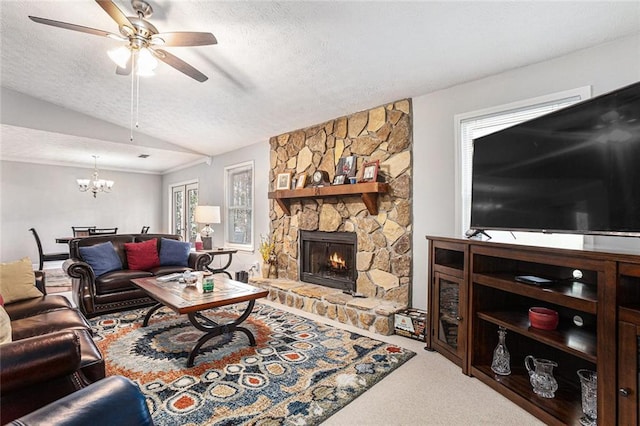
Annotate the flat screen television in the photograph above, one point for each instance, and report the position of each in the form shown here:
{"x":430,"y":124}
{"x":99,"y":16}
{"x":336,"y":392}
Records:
{"x":575,"y":170}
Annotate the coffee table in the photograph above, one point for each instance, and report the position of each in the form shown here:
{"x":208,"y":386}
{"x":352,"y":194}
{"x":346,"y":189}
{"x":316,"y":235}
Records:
{"x":189,"y":300}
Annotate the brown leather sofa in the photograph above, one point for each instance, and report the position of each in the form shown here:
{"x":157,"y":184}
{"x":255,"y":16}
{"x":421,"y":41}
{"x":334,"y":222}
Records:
{"x":52,"y":354}
{"x":113,"y":291}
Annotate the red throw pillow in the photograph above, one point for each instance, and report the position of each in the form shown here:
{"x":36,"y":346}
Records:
{"x":142,"y":256}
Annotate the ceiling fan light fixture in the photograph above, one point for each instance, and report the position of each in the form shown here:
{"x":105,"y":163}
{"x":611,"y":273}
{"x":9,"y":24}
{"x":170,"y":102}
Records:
{"x":120,"y":55}
{"x":146,"y":62}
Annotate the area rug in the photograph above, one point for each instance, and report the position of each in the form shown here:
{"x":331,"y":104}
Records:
{"x":299,"y":373}
{"x":56,"y":280}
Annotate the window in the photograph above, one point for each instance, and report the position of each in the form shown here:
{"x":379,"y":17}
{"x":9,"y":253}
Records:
{"x":238,"y":183}
{"x":480,"y":123}
{"x":184,"y":199}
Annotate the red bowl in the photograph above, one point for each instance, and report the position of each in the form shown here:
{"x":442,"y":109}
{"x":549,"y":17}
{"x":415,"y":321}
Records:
{"x":543,"y":318}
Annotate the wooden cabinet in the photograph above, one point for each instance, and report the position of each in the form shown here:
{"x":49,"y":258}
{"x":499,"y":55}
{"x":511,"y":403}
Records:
{"x":628,"y":344}
{"x":448,"y":309}
{"x":485,"y":275}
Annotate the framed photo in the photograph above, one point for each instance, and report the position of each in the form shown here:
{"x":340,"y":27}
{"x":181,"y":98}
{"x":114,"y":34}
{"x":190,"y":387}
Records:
{"x":339,"y":179}
{"x":370,"y":171}
{"x":302,"y":180}
{"x":346,"y":166}
{"x":283,"y":181}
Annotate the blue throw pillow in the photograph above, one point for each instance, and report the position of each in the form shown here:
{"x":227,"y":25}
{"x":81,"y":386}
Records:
{"x":174,"y":252}
{"x":101,"y":257}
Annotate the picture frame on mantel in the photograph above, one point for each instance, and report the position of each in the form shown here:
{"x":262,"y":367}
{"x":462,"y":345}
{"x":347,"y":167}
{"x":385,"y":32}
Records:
{"x":346,"y":166}
{"x":370,"y":171}
{"x":283,"y":181}
{"x":302,"y":180}
{"x":339,"y":179}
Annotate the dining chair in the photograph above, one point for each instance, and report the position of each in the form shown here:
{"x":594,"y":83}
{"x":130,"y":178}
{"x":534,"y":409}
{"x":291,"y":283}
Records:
{"x":81,"y":231}
{"x":145,"y":230}
{"x":47,"y":257}
{"x":102,"y":231}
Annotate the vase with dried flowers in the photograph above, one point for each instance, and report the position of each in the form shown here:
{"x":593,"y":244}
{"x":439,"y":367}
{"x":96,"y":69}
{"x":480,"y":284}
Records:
{"x":267,"y":251}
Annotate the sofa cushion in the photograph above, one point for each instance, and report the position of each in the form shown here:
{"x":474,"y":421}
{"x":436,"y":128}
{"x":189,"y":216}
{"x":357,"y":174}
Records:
{"x":5,"y":327}
{"x":48,"y":322}
{"x":37,"y":305}
{"x":17,"y":281}
{"x":174,"y":253}
{"x":101,"y":257}
{"x":142,"y":256}
{"x":116,"y":281}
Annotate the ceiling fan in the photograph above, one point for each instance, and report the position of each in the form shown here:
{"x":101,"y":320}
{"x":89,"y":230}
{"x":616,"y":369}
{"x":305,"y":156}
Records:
{"x":144,"y":40}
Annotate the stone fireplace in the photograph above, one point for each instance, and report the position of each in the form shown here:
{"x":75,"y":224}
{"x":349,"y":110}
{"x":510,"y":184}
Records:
{"x":328,"y":259}
{"x":383,"y":256}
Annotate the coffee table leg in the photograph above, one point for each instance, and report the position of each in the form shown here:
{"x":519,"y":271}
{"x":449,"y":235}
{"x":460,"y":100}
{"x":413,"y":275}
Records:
{"x":151,"y":312}
{"x":214,"y":329}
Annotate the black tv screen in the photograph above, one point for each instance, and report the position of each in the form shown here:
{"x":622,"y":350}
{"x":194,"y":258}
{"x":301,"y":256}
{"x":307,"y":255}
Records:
{"x":575,"y":170}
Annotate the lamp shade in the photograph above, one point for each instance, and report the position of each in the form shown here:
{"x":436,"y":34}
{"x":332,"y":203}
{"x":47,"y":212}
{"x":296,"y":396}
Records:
{"x":207,"y":214}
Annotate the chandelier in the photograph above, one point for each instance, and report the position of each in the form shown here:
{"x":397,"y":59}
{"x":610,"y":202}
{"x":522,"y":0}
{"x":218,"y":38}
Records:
{"x":94,"y":184}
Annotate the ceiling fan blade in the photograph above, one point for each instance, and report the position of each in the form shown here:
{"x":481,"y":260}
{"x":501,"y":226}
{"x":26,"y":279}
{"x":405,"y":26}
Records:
{"x":185,"y":39}
{"x":115,"y":13}
{"x":75,"y":27}
{"x":179,"y":64}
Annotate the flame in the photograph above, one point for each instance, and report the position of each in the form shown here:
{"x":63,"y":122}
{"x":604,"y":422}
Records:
{"x":337,"y":262}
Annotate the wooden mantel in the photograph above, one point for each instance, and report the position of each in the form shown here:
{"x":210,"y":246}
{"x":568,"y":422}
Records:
{"x":368,"y":190}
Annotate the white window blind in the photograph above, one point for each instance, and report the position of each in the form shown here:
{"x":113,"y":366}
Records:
{"x":239,"y":192}
{"x":480,"y":123}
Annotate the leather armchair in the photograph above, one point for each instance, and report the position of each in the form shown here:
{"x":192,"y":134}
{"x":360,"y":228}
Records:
{"x":115,"y":400}
{"x":113,"y":291}
{"x":39,"y":370}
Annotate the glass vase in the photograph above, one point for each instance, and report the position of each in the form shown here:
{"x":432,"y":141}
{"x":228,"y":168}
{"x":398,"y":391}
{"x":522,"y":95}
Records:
{"x":501,"y":363}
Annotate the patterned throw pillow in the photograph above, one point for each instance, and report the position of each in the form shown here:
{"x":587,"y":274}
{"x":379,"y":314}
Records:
{"x":174,"y":252}
{"x":17,"y":281}
{"x":101,"y":257}
{"x":142,"y":256}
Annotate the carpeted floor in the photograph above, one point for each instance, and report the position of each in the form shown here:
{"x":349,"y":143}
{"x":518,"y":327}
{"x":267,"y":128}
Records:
{"x":299,"y":373}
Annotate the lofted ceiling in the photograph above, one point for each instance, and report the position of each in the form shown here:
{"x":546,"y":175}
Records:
{"x":278,"y":66}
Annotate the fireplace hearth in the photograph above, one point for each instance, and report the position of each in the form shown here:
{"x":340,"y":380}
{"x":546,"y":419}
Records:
{"x":328,"y":259}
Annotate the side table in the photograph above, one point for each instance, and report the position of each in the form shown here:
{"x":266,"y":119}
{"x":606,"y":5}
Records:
{"x":217,"y":252}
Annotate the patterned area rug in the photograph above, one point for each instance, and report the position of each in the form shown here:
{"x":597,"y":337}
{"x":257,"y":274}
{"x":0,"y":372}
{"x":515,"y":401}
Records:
{"x":299,"y":373}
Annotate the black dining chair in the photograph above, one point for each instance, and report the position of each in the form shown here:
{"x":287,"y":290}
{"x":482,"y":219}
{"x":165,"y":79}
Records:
{"x":103,"y":231}
{"x":47,"y":257}
{"x":145,"y":230}
{"x":81,"y":231}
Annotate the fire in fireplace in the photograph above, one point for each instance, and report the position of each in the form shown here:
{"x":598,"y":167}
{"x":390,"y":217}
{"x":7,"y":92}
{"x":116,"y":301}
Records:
{"x":328,"y":258}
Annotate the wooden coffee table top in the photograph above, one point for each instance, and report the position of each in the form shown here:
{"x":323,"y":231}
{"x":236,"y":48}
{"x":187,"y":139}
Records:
{"x":184,"y":300}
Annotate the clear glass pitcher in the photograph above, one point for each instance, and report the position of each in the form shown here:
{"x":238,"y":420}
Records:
{"x":541,"y":376}
{"x":589,"y":386}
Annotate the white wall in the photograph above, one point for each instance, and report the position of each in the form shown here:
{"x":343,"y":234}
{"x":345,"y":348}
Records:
{"x":211,"y":192}
{"x":605,"y":68}
{"x":47,"y":198}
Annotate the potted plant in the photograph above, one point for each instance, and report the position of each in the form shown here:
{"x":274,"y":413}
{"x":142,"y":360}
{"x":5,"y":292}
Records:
{"x":267,"y":251}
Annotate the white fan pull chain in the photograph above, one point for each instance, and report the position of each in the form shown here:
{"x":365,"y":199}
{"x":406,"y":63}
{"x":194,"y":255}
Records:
{"x":137,"y":98}
{"x":133,"y":67}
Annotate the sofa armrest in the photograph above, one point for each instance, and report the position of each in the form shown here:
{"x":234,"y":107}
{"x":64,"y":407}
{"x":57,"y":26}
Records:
{"x":76,"y":268}
{"x":40,"y":281}
{"x":115,"y":400}
{"x":38,"y":359}
{"x":198,"y":261}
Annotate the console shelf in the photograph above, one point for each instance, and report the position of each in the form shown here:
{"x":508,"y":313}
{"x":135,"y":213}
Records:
{"x":474,"y":282}
{"x":368,"y":191}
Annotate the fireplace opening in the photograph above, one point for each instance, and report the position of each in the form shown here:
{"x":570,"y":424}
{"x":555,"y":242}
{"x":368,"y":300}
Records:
{"x":329,"y":259}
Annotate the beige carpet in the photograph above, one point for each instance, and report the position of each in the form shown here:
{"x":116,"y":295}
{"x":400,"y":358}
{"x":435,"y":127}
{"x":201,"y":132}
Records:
{"x":426,"y":390}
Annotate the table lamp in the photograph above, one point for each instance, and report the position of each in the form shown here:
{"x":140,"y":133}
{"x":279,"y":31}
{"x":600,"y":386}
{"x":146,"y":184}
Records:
{"x":207,"y":215}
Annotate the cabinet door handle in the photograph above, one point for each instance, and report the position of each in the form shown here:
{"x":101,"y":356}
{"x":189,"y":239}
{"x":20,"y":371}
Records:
{"x":624,"y":392}
{"x":459,"y":318}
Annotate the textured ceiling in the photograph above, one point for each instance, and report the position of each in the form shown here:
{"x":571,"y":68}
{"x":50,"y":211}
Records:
{"x":276,"y":67}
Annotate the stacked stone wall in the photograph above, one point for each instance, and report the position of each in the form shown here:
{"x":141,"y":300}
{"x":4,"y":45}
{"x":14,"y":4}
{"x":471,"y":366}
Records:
{"x":384,"y":256}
